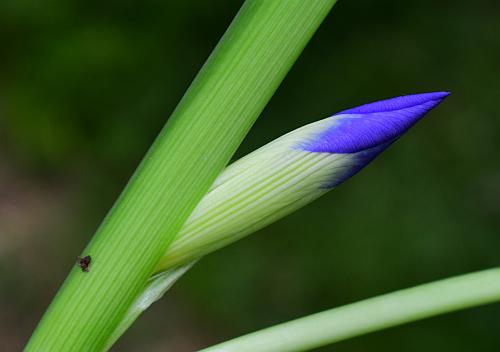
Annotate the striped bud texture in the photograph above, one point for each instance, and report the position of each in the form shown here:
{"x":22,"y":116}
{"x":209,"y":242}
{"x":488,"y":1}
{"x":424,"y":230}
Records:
{"x":292,"y":171}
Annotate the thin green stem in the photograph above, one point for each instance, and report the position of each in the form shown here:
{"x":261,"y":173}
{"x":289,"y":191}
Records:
{"x":229,"y":93}
{"x":371,"y":315}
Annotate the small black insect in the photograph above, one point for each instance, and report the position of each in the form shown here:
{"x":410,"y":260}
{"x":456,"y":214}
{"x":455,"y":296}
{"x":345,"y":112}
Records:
{"x":84,"y":263}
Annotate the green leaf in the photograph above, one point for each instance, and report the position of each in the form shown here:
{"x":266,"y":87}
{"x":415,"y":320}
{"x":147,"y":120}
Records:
{"x":228,"y":94}
{"x":371,"y":315}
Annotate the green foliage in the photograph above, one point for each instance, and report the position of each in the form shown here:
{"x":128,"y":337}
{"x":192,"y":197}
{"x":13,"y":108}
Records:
{"x":371,"y":315}
{"x":427,"y":210}
{"x":209,"y":123}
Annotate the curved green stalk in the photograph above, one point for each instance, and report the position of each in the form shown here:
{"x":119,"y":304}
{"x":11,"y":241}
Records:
{"x":231,"y":90}
{"x":371,"y":315}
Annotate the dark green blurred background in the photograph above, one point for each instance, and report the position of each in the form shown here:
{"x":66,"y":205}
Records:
{"x":85,"y":86}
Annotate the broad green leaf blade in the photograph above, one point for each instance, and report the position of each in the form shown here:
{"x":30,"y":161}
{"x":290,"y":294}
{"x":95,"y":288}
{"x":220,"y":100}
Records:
{"x":224,"y":100}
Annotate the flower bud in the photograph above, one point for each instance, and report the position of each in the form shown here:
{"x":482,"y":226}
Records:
{"x":292,"y":171}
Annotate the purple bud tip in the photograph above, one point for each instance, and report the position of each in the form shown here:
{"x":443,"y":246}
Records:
{"x":373,"y":125}
{"x":399,"y":103}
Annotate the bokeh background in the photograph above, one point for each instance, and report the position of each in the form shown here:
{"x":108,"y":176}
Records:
{"x":85,"y":86}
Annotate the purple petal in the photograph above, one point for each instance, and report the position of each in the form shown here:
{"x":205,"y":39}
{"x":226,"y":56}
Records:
{"x":358,"y":162}
{"x":398,"y":103}
{"x":372,"y":125}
